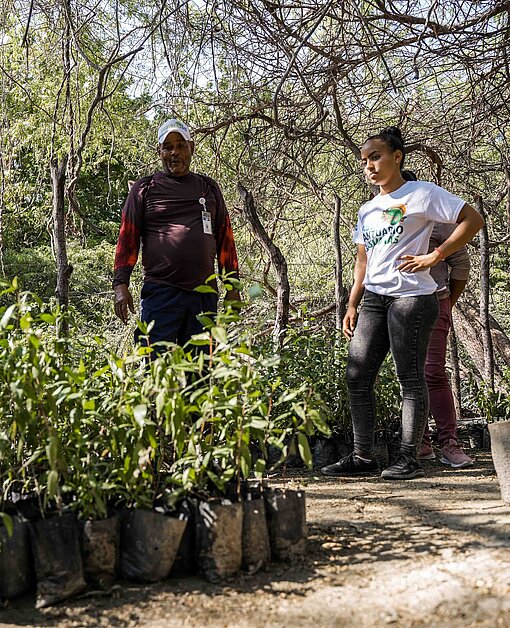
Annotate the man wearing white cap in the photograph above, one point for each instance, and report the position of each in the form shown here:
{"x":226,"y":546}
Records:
{"x":181,"y":220}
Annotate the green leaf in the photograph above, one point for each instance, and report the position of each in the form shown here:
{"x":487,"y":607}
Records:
{"x":299,"y":411}
{"x":245,"y":460}
{"x":233,"y":281}
{"x":52,"y":483}
{"x":160,"y":403}
{"x":304,"y":449}
{"x":52,"y":451}
{"x":25,"y":321}
{"x":288,"y":396}
{"x":140,"y":414}
{"x":271,"y":362}
{"x":33,"y":457}
{"x":101,"y":371}
{"x":206,"y":290}
{"x":48,"y":318}
{"x":260,"y":468}
{"x":8,"y":523}
{"x":218,"y":482}
{"x":206,"y":321}
{"x":199,"y":340}
{"x":34,"y":340}
{"x":319,"y":422}
{"x":257,"y":423}
{"x":152,"y":440}
{"x":7,"y":315}
{"x":220,"y":334}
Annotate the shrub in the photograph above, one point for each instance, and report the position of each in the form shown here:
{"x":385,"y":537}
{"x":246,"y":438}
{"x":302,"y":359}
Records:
{"x":318,"y":357}
{"x":86,"y":429}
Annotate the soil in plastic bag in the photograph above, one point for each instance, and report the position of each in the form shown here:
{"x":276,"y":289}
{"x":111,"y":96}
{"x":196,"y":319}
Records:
{"x":185,"y":562}
{"x":286,"y":518}
{"x":100,"y":544}
{"x":15,"y":560}
{"x":219,"y":527}
{"x":148,"y":545}
{"x":58,"y":565}
{"x":256,"y":547}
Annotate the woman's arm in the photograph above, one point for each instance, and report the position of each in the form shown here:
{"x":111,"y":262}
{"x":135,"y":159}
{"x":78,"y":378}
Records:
{"x":469,"y":224}
{"x":360,"y":268}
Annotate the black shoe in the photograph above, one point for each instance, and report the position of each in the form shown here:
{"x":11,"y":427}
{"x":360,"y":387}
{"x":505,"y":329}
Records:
{"x":404,"y":468}
{"x":351,"y":465}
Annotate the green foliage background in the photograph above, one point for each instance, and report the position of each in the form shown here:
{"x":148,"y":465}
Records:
{"x":283,"y":128}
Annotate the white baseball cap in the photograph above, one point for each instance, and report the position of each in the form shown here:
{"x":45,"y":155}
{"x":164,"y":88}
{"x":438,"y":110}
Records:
{"x":173,"y":125}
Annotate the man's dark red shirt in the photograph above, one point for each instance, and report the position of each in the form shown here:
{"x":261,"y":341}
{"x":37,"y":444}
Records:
{"x":164,"y":214}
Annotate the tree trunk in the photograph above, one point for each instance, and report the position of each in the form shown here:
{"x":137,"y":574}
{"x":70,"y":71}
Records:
{"x":64,"y":269}
{"x":488,"y":352}
{"x":278,"y":261}
{"x":468,"y":329}
{"x":506,"y":170}
{"x":339,"y":287}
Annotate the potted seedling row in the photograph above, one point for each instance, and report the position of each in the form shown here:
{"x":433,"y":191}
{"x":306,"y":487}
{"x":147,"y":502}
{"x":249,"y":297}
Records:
{"x":110,"y":448}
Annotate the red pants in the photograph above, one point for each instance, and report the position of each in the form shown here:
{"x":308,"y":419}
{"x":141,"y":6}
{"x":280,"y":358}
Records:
{"x":442,"y":407}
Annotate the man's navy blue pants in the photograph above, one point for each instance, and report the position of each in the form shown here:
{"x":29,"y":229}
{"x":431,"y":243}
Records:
{"x":174,"y":312}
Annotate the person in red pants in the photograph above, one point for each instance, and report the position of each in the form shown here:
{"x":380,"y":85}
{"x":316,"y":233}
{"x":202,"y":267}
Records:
{"x":451,"y":276}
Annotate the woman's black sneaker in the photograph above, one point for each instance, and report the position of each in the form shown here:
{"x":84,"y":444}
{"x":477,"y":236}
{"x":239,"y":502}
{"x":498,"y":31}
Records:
{"x":351,"y":465}
{"x":404,"y":468}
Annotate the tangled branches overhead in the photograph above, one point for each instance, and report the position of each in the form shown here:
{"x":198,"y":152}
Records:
{"x":304,"y":78}
{"x":303,"y":52}
{"x":283,"y":92}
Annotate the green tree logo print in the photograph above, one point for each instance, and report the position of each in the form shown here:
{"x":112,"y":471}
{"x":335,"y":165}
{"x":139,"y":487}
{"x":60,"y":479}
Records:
{"x":394,"y":215}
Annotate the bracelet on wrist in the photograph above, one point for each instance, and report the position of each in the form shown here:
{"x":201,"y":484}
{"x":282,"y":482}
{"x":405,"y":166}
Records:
{"x":441,"y":254}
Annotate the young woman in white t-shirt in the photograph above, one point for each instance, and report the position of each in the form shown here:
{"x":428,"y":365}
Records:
{"x":399,"y":306}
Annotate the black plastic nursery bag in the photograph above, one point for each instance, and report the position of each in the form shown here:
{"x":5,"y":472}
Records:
{"x":15,"y":565}
{"x":58,"y":565}
{"x":149,"y":544}
{"x":286,"y":517}
{"x":219,"y":529}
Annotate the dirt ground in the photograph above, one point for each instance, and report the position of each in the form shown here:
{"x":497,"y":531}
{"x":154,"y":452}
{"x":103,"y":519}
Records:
{"x":433,"y":551}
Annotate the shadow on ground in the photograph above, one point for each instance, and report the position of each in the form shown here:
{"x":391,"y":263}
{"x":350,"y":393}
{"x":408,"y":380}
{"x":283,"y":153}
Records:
{"x":353,"y":526}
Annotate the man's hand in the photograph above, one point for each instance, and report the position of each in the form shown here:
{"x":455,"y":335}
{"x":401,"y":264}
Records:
{"x":233,"y":295}
{"x":123,"y":301}
{"x":417,"y":263}
{"x":349,"y":322}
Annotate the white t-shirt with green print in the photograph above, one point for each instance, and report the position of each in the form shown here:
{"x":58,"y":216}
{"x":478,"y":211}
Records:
{"x":400,"y":223}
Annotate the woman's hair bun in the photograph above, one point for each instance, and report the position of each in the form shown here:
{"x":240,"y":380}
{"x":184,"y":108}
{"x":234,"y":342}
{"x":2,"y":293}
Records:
{"x":392,"y":130}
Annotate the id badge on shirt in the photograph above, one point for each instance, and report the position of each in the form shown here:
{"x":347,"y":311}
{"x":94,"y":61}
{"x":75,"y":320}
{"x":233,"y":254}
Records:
{"x":207,"y":222}
{"x":206,"y":217}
